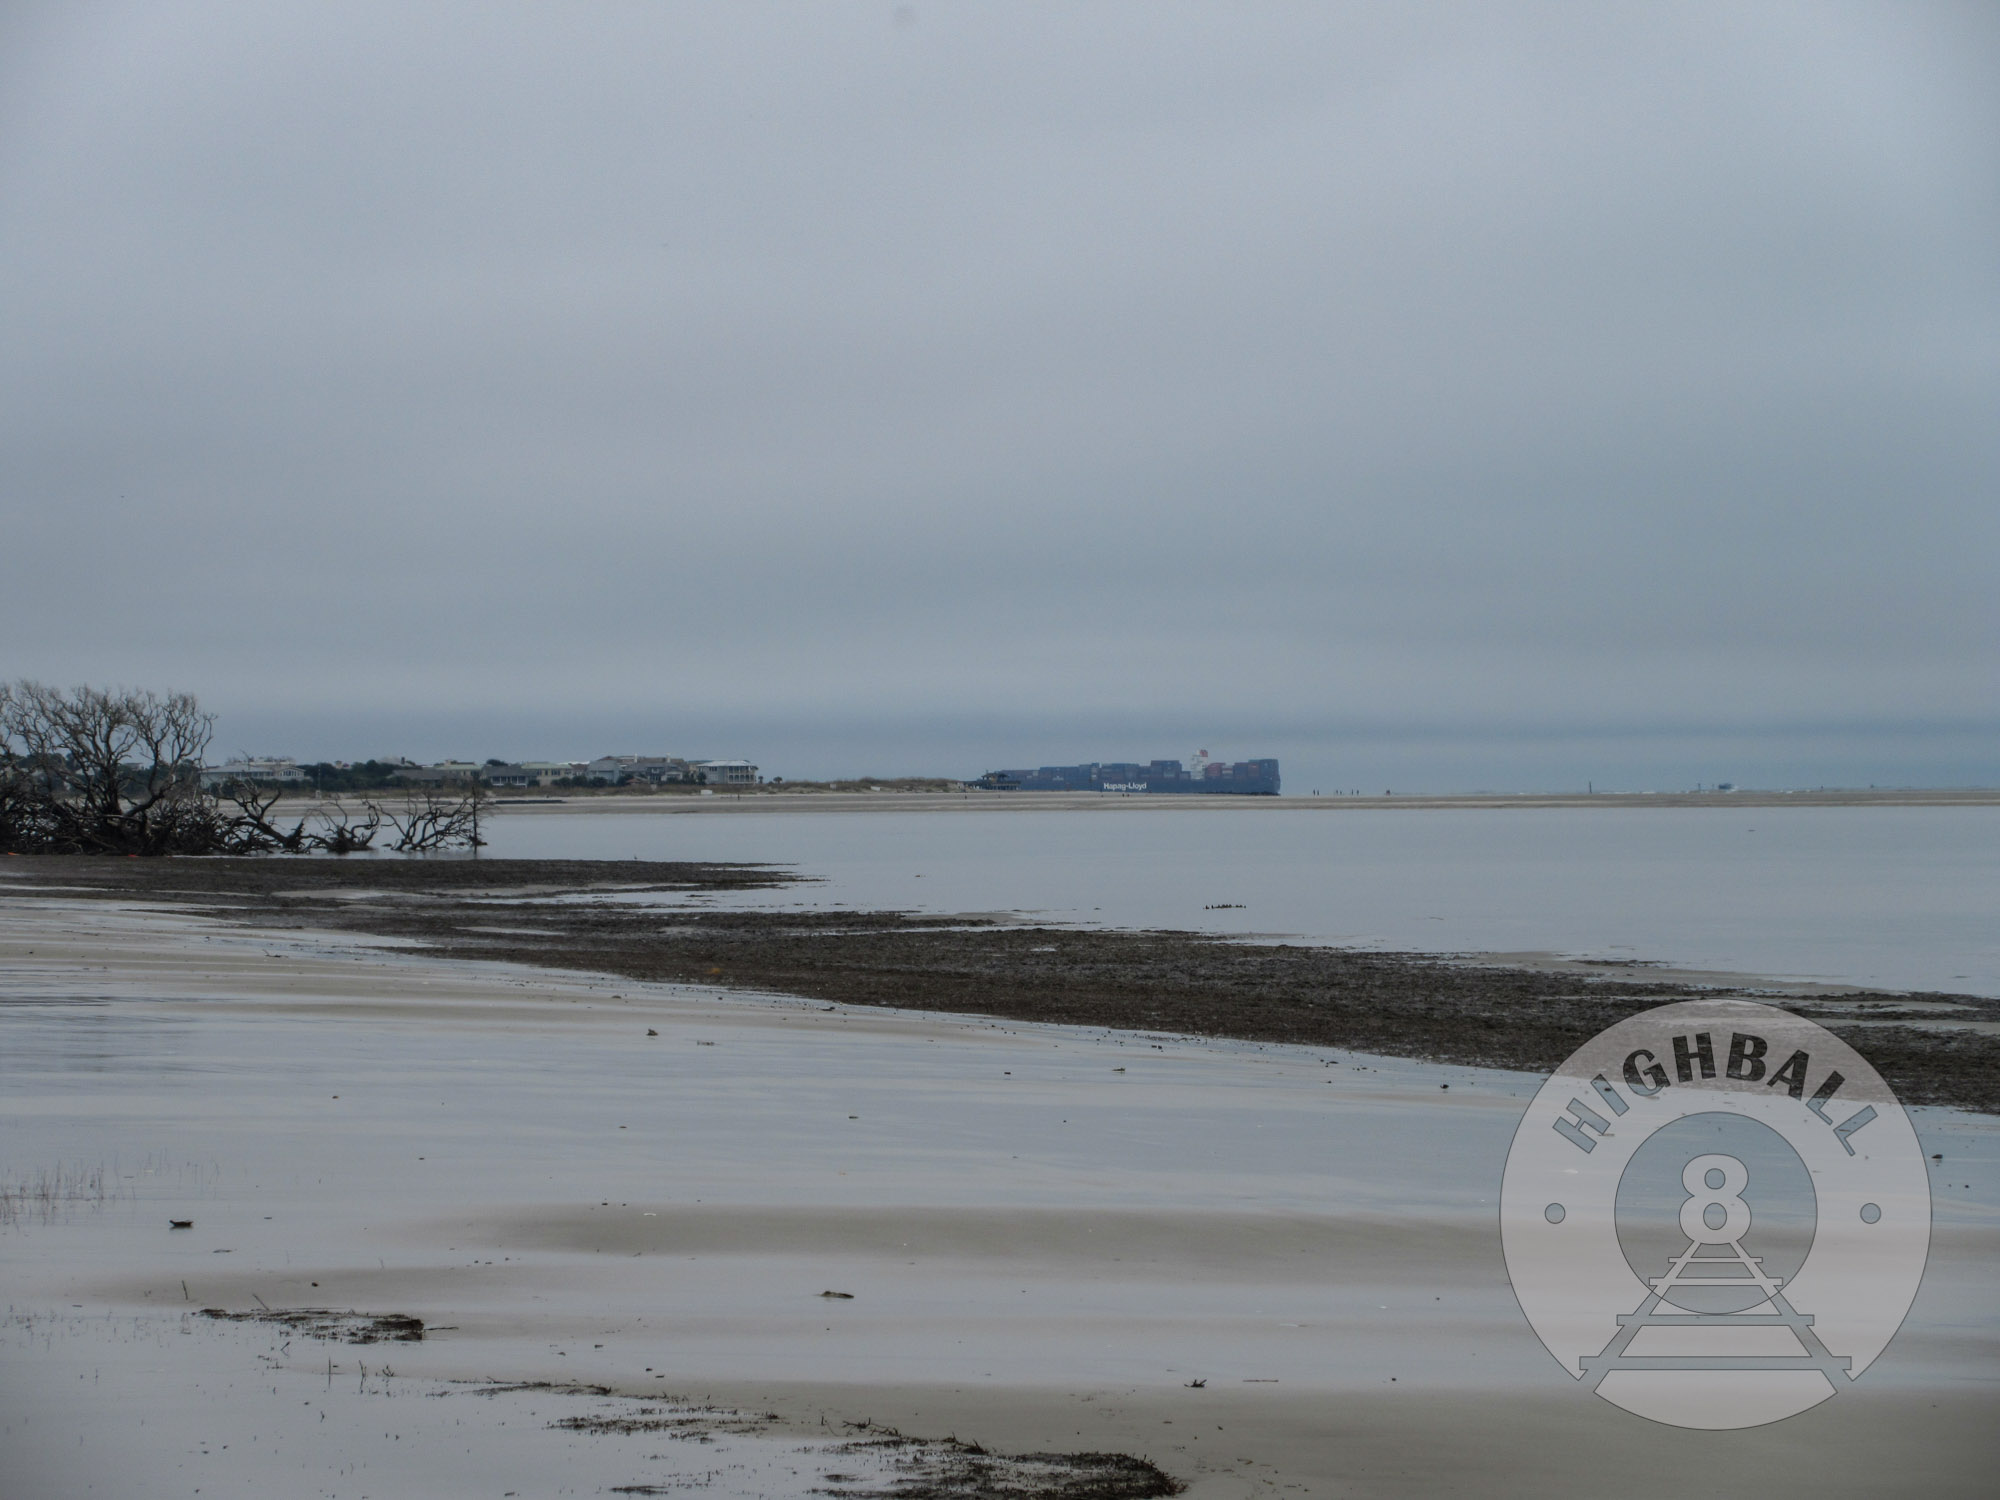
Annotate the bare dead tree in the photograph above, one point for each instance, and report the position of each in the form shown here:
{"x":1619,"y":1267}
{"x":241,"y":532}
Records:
{"x":91,"y":771}
{"x":326,"y":828}
{"x":97,"y":771}
{"x":341,"y":833}
{"x":431,"y":821}
{"x":251,"y":823}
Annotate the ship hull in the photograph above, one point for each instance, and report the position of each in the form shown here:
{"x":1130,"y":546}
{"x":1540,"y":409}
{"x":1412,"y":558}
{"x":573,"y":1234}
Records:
{"x":1250,"y":778}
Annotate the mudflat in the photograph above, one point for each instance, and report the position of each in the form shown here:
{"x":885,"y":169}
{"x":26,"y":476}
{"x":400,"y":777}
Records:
{"x":631,"y":918}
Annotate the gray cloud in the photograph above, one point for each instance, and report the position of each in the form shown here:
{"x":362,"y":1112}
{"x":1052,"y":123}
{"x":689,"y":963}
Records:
{"x":1500,"y":391}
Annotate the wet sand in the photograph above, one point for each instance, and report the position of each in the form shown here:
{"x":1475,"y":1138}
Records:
{"x":1048,"y":1233}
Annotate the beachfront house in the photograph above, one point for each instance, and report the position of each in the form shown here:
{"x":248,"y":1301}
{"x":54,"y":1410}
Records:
{"x":726,"y":772}
{"x":663,"y":770}
{"x":265,"y":770}
{"x":442,"y":773}
{"x":657,"y":770}
{"x":530,"y":773}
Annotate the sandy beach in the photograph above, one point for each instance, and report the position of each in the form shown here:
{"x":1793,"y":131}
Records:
{"x":618,"y":1208}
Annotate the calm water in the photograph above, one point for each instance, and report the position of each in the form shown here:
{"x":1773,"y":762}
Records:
{"x":1903,"y":897}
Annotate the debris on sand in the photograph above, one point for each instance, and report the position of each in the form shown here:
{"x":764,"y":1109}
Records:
{"x":700,"y":1424}
{"x":884,"y":1464}
{"x":324,"y":1323}
{"x":516,"y":1387}
{"x":951,"y":1470}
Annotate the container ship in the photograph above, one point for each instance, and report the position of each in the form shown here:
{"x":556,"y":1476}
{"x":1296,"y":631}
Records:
{"x":1252,"y":778}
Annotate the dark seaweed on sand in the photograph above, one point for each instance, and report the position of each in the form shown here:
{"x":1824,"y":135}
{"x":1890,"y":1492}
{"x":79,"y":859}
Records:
{"x":325,"y":1323}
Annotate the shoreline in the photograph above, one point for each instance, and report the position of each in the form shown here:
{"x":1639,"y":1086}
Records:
{"x":770,"y":800}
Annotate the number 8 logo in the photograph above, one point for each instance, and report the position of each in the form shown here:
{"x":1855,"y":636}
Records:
{"x":1715,"y":1213}
{"x":1626,"y":1208}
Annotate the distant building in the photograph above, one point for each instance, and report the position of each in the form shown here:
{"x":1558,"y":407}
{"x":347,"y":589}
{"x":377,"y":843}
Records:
{"x":726,"y":772}
{"x":663,"y":770}
{"x":441,"y":773}
{"x":263,"y":769}
{"x":610,"y":769}
{"x":659,"y":770}
{"x":530,"y":773}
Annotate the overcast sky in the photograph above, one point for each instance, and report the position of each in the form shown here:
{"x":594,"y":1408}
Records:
{"x":1494,"y":396}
